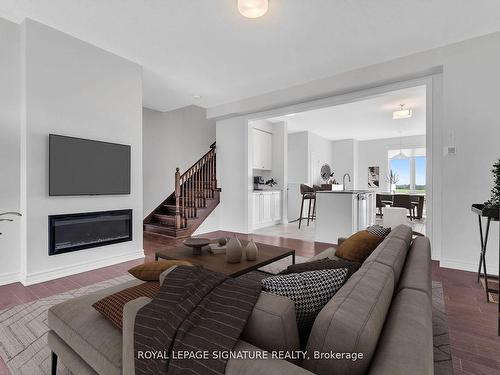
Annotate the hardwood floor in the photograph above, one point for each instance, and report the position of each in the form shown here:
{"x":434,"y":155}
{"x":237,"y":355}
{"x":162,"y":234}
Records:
{"x":472,"y":321}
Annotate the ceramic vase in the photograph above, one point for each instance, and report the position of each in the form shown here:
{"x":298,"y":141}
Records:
{"x":234,"y":251}
{"x":251,"y":251}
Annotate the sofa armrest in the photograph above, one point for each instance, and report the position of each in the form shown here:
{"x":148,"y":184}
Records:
{"x":129,"y":313}
{"x":251,"y":366}
{"x":272,"y":324}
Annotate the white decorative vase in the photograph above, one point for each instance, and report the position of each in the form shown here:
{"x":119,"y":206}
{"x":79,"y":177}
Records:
{"x":251,"y":251}
{"x":234,"y":251}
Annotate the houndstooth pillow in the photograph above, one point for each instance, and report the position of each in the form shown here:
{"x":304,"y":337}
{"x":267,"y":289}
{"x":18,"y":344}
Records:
{"x":310,"y":291}
{"x":379,"y":231}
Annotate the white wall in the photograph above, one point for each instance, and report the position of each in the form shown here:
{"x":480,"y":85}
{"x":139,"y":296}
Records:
{"x":10,"y":115}
{"x":298,"y":157}
{"x":320,"y":152}
{"x":75,"y":89}
{"x":464,"y":79}
{"x":171,"y":139}
{"x":373,"y":153}
{"x":234,"y":174}
{"x":344,"y":157}
{"x":307,"y":151}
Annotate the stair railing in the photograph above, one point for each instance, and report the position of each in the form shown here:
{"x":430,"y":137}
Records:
{"x":194,"y":186}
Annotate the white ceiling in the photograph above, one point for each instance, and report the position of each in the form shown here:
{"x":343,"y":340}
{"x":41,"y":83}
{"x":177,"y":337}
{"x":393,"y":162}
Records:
{"x":365,"y":119}
{"x":205,"y":47}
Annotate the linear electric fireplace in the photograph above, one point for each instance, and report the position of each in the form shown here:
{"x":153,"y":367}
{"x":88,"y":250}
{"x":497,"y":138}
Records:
{"x":93,"y":229}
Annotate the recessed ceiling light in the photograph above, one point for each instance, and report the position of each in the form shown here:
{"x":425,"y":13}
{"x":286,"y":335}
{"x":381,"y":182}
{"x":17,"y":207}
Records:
{"x":197,"y":96}
{"x":253,"y":8}
{"x":290,"y":115}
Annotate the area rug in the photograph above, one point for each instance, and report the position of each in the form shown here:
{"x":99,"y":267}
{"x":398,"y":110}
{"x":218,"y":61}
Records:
{"x":23,"y":331}
{"x":442,"y":350}
{"x":492,"y":284}
{"x":23,"y":328}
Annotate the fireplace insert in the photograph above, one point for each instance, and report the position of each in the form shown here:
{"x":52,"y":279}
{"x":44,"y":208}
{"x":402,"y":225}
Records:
{"x":74,"y":232}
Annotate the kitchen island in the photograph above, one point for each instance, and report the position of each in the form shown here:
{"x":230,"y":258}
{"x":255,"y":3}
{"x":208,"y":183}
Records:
{"x":342,"y":213}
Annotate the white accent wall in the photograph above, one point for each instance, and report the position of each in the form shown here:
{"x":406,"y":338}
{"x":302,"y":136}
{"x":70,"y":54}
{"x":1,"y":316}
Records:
{"x":464,"y":80}
{"x":172,"y":139}
{"x":59,"y":84}
{"x":10,"y":116}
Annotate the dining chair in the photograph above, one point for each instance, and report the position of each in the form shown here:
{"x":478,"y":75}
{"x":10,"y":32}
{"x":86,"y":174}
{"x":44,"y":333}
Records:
{"x":379,"y":204}
{"x":404,"y":201}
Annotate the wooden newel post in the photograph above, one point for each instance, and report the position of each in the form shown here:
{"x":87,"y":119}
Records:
{"x":177,"y":199}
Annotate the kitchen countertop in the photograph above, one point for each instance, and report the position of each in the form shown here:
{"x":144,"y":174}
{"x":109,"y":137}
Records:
{"x":264,"y":190}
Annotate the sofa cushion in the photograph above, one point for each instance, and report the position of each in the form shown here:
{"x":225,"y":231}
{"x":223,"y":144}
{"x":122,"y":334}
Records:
{"x":87,"y":332}
{"x":323,"y":264}
{"x":351,"y":322}
{"x":272,"y":325}
{"x":359,"y":246}
{"x":309,"y":291}
{"x":72,"y":361}
{"x":417,"y":273}
{"x":111,"y":307}
{"x":392,"y":251}
{"x":405,"y":346}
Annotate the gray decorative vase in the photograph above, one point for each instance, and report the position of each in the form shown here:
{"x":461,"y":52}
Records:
{"x":251,"y":251}
{"x":234,"y":251}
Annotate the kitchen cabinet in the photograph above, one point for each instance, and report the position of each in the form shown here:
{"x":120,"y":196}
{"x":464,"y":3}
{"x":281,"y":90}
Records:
{"x":266,"y":208}
{"x":262,"y":149}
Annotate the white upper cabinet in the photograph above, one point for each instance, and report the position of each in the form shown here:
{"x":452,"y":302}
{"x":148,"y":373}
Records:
{"x":262,"y":150}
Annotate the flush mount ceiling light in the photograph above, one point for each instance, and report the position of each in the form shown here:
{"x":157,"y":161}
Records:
{"x":253,"y":8}
{"x":402,"y":113}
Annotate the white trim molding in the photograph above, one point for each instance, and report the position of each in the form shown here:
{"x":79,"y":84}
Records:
{"x":466,"y":266}
{"x":39,"y":277}
{"x":9,"y":278}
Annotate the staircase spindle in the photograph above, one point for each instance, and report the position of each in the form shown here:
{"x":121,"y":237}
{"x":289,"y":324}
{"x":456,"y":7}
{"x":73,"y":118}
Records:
{"x":177,"y":199}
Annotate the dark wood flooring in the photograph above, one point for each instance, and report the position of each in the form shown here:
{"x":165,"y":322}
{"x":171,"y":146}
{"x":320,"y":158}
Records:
{"x":472,"y":321}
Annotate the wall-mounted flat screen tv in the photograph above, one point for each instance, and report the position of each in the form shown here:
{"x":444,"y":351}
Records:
{"x":86,"y":167}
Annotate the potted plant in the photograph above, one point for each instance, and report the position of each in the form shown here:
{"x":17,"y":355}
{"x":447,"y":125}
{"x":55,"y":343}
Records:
{"x":392,"y":179}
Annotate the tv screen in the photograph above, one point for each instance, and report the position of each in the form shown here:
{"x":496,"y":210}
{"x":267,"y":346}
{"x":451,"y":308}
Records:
{"x":85,"y":167}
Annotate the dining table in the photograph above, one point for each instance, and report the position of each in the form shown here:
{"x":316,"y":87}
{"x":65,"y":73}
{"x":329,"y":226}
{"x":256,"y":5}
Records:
{"x":387,"y":198}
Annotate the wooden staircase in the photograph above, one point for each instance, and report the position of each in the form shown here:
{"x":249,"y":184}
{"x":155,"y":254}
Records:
{"x":196,"y":195}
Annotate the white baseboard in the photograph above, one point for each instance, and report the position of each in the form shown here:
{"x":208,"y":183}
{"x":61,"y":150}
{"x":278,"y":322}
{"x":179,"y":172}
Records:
{"x":39,"y":277}
{"x":465,"y":266}
{"x":9,"y":278}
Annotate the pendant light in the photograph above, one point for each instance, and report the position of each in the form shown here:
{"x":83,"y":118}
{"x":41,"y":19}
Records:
{"x":402,"y":113}
{"x":253,"y":8}
{"x":401,"y":154}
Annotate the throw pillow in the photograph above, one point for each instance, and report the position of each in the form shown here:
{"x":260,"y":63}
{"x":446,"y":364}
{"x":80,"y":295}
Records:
{"x":111,"y":307}
{"x":310,"y":291}
{"x":323,"y":264}
{"x":151,"y":271}
{"x":379,"y":230}
{"x":359,"y":246}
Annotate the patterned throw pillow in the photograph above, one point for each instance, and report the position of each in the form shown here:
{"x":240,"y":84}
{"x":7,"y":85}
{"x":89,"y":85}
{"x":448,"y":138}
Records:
{"x":310,"y":291}
{"x":111,"y":307}
{"x":379,"y":230}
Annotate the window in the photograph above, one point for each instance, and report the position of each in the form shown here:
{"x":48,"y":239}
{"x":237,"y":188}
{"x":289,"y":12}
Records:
{"x":410,"y":170}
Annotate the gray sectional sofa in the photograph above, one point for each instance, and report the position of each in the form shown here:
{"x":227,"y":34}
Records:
{"x":383,"y":311}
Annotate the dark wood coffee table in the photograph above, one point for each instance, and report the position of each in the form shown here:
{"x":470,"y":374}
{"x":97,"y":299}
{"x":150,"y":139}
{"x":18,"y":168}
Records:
{"x":217,"y":262}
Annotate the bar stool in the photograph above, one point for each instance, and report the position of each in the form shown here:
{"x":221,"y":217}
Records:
{"x":307,"y":194}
